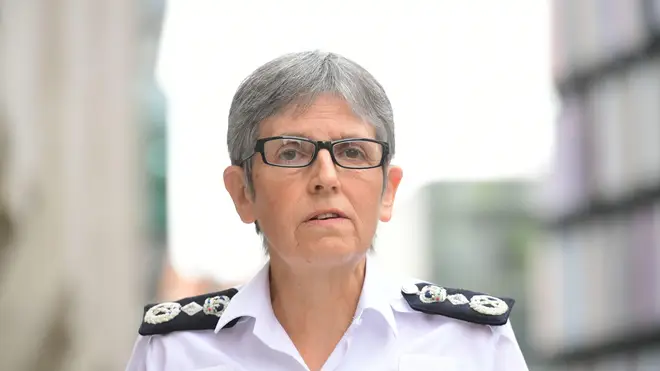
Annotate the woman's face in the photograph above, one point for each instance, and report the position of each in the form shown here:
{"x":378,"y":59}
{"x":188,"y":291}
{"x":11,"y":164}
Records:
{"x":288,"y":200}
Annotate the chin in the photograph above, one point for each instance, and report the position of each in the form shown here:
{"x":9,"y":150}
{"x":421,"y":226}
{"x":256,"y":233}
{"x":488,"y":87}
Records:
{"x":330,"y":249}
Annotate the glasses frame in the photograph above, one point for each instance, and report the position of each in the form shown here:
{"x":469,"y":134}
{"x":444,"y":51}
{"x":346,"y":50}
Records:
{"x":318,"y":146}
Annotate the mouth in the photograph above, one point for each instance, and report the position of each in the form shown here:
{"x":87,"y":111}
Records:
{"x":327,"y":215}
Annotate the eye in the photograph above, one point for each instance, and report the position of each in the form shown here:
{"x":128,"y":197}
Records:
{"x":288,"y":154}
{"x":350,"y":151}
{"x":353,"y":153}
{"x":288,"y":151}
{"x":293,"y":152}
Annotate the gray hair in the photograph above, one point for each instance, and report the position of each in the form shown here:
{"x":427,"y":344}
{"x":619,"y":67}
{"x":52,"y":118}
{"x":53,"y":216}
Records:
{"x":298,"y":79}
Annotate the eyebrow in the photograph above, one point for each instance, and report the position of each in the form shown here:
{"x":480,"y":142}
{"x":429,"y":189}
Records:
{"x":342,"y":136}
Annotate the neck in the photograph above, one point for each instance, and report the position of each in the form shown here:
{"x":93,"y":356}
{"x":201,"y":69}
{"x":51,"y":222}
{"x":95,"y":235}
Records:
{"x":316,"y":306}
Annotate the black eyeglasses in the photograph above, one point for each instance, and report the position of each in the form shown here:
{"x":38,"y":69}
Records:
{"x":356,"y":153}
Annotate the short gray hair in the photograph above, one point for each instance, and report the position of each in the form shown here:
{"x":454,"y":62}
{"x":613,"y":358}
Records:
{"x":298,"y":79}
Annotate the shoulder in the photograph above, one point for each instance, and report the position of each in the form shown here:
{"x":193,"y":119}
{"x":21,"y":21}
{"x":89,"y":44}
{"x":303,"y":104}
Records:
{"x":199,"y":312}
{"x":470,"y":327}
{"x":460,"y":304}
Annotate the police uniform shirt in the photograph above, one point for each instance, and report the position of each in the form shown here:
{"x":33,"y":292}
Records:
{"x":419,"y":327}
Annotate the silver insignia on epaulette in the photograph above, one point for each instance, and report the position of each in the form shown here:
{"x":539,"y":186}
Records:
{"x":216,"y":305}
{"x":432,"y":294}
{"x":162,"y":312}
{"x":192,"y":308}
{"x":457,"y":299}
{"x":490,"y":305}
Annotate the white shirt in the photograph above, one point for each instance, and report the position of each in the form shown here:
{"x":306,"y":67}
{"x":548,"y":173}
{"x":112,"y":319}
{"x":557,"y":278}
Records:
{"x":387,"y":334}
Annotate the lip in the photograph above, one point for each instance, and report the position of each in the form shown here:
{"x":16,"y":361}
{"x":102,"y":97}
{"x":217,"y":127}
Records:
{"x":326,"y":211}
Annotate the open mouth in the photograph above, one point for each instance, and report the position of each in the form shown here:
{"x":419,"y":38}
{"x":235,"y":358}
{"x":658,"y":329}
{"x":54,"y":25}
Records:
{"x":326,"y":216}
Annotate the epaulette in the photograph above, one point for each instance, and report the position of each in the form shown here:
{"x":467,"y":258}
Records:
{"x":189,"y":314}
{"x":460,"y":304}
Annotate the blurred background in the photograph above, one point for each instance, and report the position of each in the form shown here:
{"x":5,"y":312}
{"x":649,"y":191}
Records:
{"x":528,"y":130}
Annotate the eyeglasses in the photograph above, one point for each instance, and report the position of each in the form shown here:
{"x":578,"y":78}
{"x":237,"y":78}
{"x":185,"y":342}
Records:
{"x":295,"y":152}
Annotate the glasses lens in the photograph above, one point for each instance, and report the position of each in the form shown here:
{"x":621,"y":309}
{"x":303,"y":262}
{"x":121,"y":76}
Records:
{"x":289,"y":152}
{"x":358,"y":153}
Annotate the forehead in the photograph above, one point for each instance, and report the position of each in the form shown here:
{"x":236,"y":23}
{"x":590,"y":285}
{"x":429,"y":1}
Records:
{"x":328,"y":117}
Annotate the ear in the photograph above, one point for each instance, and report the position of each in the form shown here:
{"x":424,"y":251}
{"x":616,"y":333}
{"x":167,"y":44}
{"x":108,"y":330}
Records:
{"x":234,"y":177}
{"x":394,"y":176}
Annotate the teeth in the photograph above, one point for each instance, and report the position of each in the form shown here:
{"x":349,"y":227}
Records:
{"x":326,"y":216}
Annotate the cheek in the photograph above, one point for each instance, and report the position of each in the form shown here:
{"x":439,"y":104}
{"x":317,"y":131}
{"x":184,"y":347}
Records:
{"x":365,"y":193}
{"x":276,"y":198}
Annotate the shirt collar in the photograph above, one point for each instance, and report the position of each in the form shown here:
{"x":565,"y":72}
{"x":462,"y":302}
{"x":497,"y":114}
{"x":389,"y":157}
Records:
{"x":253,"y":299}
{"x":377,"y":295}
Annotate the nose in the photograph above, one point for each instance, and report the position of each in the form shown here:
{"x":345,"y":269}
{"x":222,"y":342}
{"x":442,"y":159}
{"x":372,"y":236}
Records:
{"x":325,"y":173}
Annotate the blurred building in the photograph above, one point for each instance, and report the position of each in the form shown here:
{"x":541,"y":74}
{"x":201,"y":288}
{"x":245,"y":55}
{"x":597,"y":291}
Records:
{"x":480,"y":233}
{"x":595,"y":280}
{"x":153,"y":123}
{"x":71,"y":184}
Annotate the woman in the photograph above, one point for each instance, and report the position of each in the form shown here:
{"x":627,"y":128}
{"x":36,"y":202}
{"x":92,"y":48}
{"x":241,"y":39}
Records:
{"x":310,"y":138}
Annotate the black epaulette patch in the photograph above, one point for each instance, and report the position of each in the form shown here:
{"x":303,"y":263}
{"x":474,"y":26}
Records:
{"x":193,"y":313}
{"x":460,"y":304}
